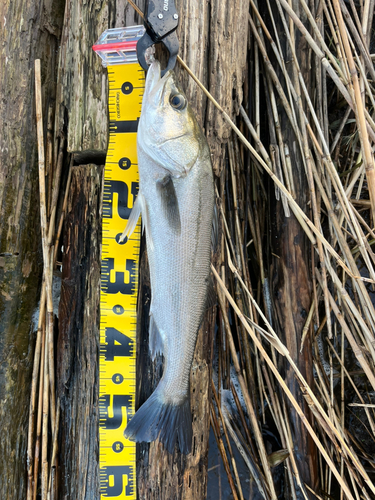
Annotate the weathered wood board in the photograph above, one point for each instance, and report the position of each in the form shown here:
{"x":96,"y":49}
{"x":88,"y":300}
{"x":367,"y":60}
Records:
{"x":78,"y":340}
{"x":291,"y":282}
{"x":217,"y":55}
{"x":28,"y":30}
{"x":82,"y":87}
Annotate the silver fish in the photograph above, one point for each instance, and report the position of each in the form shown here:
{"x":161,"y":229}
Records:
{"x":176,"y":200}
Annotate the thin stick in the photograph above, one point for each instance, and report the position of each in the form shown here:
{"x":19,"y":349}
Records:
{"x":234,"y":465}
{"x":56,"y":190}
{"x":65,"y":204}
{"x":367,"y":154}
{"x":49,"y":155}
{"x":44,"y":230}
{"x":39,"y":418}
{"x":34,"y":383}
{"x":287,"y":391}
{"x":54,"y":449}
{"x":45,"y":422}
{"x":220,"y":445}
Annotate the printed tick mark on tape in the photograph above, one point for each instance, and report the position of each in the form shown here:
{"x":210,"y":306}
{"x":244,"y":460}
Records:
{"x":119,"y":276}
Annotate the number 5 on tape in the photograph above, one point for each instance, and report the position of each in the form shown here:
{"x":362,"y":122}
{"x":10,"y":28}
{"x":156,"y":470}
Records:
{"x":119,"y":276}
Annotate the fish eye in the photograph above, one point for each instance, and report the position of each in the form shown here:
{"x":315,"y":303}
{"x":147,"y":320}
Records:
{"x":178,"y":101}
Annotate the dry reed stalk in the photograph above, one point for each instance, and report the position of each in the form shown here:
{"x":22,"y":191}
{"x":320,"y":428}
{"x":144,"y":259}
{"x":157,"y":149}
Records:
{"x":287,"y":442}
{"x":39,"y":417}
{"x":364,"y":80}
{"x":56,"y":191}
{"x":234,"y":465}
{"x":44,"y":463}
{"x":49,"y":157}
{"x":248,"y":402}
{"x":362,"y":129}
{"x":54,"y":450}
{"x":34,"y":383}
{"x":315,"y":406}
{"x":220,"y":445}
{"x":339,"y":130}
{"x":65,"y":205}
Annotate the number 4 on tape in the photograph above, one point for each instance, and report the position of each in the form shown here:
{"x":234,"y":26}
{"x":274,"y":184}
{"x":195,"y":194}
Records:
{"x":119,"y":276}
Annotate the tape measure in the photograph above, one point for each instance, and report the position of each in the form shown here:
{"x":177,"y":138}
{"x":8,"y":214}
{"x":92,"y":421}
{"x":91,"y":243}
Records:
{"x":119,"y":275}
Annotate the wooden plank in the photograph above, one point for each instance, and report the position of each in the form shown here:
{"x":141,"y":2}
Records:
{"x":82,"y":81}
{"x":216,"y":52}
{"x":291,"y":284}
{"x":78,"y":340}
{"x":28,"y":30}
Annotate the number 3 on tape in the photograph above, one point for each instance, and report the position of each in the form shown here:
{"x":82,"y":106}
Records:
{"x":119,"y":275}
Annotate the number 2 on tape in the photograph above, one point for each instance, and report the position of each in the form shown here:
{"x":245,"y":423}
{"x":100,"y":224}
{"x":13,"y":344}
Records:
{"x":119,"y":285}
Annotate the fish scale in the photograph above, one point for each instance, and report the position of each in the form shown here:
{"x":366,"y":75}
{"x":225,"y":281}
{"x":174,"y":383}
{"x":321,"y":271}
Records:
{"x":176,"y":200}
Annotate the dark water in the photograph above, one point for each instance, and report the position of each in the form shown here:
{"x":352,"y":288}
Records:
{"x":218,"y":485}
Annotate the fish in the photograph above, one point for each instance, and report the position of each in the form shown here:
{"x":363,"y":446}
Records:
{"x":176,"y":200}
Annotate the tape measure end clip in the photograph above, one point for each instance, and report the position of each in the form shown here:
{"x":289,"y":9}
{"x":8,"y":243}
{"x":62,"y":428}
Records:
{"x":118,"y":45}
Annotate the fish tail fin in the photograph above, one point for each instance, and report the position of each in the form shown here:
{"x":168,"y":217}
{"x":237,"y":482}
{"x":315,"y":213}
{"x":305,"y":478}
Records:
{"x":166,"y":421}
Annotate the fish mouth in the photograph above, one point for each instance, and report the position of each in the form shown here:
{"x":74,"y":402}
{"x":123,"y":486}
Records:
{"x":157,"y":84}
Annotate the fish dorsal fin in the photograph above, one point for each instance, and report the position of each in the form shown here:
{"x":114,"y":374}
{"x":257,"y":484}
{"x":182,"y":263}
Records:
{"x":215,"y":230}
{"x":211,"y":293}
{"x":170,"y":203}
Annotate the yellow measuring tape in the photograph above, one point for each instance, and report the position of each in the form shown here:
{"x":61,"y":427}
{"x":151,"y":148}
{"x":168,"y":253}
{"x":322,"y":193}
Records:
{"x":119,"y":285}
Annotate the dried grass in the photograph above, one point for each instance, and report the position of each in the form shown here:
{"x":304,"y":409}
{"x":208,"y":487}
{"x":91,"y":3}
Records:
{"x":339,"y":225}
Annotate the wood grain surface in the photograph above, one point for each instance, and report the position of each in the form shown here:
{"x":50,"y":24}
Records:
{"x":28,"y":30}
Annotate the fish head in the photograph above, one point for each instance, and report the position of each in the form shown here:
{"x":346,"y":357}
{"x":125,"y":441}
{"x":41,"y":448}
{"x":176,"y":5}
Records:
{"x":168,"y":131}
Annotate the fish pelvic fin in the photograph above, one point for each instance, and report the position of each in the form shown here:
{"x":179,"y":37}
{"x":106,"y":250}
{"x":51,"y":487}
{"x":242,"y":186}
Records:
{"x":171,"y":423}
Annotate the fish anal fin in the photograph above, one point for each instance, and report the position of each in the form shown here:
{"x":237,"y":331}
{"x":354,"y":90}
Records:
{"x":155,"y":341}
{"x":169,"y":202}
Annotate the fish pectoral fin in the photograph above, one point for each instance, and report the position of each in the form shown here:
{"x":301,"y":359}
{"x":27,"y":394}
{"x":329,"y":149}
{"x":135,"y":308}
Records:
{"x":155,"y":341}
{"x":133,"y":218}
{"x":170,"y":202}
